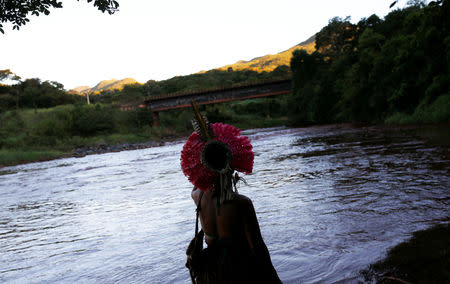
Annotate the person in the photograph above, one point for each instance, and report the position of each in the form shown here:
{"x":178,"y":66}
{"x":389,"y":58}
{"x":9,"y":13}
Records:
{"x":240,"y":253}
{"x":236,"y":252}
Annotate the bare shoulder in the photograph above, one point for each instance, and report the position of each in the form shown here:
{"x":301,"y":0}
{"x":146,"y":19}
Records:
{"x":243,"y":200}
{"x":195,"y":194}
{"x":247,"y":210}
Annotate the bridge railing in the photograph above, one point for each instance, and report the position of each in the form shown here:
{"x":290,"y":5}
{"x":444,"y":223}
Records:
{"x":217,"y":95}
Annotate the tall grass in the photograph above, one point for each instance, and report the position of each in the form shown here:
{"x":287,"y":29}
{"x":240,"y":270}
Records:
{"x":436,"y":112}
{"x":11,"y":157}
{"x":40,"y":134}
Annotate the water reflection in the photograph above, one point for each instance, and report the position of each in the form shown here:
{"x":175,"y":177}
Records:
{"x":330,"y":200}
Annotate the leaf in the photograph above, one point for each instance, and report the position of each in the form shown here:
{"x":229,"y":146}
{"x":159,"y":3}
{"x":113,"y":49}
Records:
{"x":392,"y":4}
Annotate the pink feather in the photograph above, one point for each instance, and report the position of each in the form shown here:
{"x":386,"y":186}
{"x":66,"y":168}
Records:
{"x":191,"y":163}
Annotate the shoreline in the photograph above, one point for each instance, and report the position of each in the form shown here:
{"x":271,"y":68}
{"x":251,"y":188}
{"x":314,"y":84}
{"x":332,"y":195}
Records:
{"x":100,"y":148}
{"x":424,"y":258}
{"x":426,"y":131}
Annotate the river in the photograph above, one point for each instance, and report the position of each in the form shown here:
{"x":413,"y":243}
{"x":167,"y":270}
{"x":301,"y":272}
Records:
{"x":330,"y":200}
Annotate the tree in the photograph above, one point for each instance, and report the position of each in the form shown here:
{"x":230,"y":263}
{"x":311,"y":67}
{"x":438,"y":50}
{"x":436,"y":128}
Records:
{"x":8,"y":75}
{"x":18,"y":11}
{"x":338,"y":38}
{"x":394,"y":69}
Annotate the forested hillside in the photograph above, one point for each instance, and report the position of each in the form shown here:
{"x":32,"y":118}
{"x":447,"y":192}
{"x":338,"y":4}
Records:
{"x":33,"y":93}
{"x":393,"y":70}
{"x":105,"y":85}
{"x":271,"y":62}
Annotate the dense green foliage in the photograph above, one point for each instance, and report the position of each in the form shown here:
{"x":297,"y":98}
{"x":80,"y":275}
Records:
{"x":36,"y":134}
{"x":65,"y":127}
{"x":393,"y":70}
{"x":32,"y":93}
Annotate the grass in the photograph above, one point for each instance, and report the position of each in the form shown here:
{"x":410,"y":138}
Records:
{"x":39,"y":134}
{"x":261,"y":122}
{"x":23,"y":149}
{"x":436,"y":112}
{"x":13,"y":157}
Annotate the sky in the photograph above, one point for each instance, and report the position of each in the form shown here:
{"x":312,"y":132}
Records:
{"x":78,"y":45}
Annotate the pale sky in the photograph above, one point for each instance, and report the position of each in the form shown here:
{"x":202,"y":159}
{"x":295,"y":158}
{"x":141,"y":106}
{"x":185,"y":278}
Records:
{"x":159,"y":39}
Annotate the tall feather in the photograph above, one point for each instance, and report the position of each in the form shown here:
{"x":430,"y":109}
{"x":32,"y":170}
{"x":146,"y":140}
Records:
{"x":200,"y":123}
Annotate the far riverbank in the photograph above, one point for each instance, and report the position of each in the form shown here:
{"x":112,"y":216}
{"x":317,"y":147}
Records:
{"x":17,"y":157}
{"x":431,"y":133}
{"x":64,"y":131}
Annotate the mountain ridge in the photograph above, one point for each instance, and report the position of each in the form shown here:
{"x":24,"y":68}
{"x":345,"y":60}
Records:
{"x":269,"y":62}
{"x":263,"y":63}
{"x":104,"y":85}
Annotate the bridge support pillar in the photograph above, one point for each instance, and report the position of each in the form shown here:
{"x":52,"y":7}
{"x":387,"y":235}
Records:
{"x":155,"y":116}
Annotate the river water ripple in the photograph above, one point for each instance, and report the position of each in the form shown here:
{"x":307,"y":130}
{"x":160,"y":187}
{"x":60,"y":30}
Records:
{"x":330,"y":201}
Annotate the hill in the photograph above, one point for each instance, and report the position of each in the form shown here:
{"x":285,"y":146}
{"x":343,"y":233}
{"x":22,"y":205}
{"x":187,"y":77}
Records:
{"x":105,"y":85}
{"x":270,"y":62}
{"x":80,"y":90}
{"x":263,"y":63}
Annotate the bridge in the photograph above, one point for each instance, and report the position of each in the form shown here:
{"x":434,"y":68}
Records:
{"x":251,"y":91}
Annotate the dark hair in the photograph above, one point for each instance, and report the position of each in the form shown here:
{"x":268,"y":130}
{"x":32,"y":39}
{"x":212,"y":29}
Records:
{"x":217,"y":157}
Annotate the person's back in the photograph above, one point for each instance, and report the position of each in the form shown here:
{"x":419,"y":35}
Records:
{"x":232,"y":233}
{"x":225,"y":223}
{"x":236,"y":253}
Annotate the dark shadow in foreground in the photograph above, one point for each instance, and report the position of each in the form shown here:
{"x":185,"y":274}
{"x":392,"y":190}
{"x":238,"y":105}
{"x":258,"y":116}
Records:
{"x":425,"y":258}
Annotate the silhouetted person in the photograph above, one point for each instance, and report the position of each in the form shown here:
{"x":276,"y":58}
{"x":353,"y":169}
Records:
{"x":236,"y":252}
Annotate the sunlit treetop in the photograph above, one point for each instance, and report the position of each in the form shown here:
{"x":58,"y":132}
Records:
{"x":6,"y":74}
{"x":17,"y":12}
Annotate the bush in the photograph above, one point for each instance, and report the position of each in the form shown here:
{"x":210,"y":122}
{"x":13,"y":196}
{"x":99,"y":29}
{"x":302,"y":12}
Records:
{"x":178,"y":120}
{"x":263,"y":107}
{"x":217,"y":113}
{"x":11,"y":125}
{"x":89,"y":120}
{"x":399,"y":118}
{"x":436,"y":112}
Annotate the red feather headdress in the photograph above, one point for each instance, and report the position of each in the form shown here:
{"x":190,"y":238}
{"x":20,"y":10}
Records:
{"x":193,"y":163}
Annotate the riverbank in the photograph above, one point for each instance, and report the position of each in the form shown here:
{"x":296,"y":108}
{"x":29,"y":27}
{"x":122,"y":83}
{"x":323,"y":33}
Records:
{"x":432,"y":133}
{"x":17,"y":157}
{"x":425,"y":258}
{"x":72,"y":130}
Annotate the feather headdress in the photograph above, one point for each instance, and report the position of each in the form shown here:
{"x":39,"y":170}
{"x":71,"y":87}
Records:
{"x":213,"y":152}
